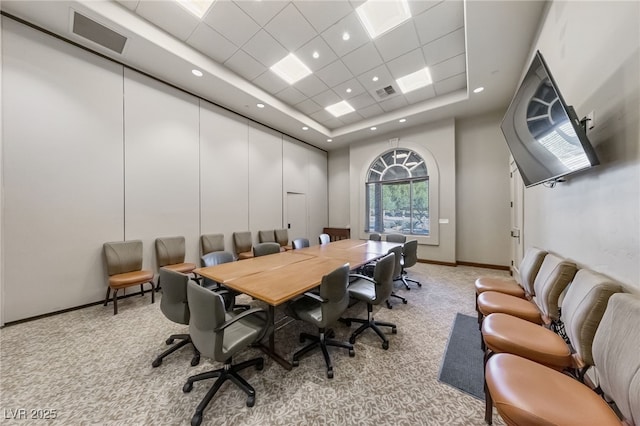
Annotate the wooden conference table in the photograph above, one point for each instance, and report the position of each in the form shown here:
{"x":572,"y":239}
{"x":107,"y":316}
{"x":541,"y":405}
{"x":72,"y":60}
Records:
{"x":278,"y":278}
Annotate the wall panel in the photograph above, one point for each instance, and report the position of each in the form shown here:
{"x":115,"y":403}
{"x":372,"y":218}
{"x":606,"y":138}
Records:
{"x":318,"y":192}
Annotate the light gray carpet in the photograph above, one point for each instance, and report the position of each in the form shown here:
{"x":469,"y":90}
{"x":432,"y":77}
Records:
{"x":95,"y":368}
{"x":463,"y":360}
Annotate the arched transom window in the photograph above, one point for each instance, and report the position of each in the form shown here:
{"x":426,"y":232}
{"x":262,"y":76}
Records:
{"x":397,"y":194}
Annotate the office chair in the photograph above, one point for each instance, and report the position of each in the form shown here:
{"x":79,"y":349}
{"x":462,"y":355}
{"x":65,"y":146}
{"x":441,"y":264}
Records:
{"x":174,"y":306}
{"x":228,"y":295}
{"x":211,"y":242}
{"x":373,"y":291}
{"x":409,"y":259}
{"x":397,"y":274}
{"x":299,"y":243}
{"x":266,"y":236}
{"x":396,"y":238}
{"x":375,"y":237}
{"x":263,"y":249}
{"x":170,"y":252}
{"x":124,"y":268}
{"x":242,"y":242}
{"x":322,"y":310}
{"x":282,"y":238}
{"x":220,"y":335}
{"x":324,"y":239}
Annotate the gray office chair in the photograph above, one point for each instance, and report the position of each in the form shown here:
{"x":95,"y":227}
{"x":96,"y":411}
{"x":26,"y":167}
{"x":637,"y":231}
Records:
{"x":282,"y":238}
{"x":219,"y":335}
{"x":375,"y":237}
{"x":218,"y":258}
{"x":299,"y":243}
{"x":263,"y":249}
{"x":324,"y":239}
{"x":211,"y":242}
{"x":170,"y":252}
{"x":396,"y":238}
{"x":322,"y":310}
{"x":373,"y":291}
{"x":174,"y":306}
{"x":409,"y":258}
{"x":242,"y":242}
{"x":397,"y":274}
{"x":266,"y":236}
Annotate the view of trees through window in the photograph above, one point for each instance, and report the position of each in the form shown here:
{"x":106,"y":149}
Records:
{"x":398,"y":194}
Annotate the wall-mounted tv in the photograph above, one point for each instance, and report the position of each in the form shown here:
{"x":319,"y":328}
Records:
{"x":544,"y":135}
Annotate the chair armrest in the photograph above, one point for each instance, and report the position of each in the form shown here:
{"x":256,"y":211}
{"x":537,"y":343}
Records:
{"x":239,"y":317}
{"x":315,"y":297}
{"x":362,"y":277}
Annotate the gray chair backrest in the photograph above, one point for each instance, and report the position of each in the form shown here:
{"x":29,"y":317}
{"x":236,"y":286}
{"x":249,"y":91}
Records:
{"x":123,"y":256}
{"x":169,"y":250}
{"x":333,"y":289}
{"x":174,"y":303}
{"x":616,"y":355}
{"x":583,"y":307}
{"x":242,"y":241}
{"x":324,"y":239}
{"x":211,"y":242}
{"x":212,"y":259}
{"x":383,"y":276}
{"x":264,"y":249}
{"x":410,"y":253}
{"x":207,"y":314}
{"x":397,"y":264}
{"x":266,"y":236}
{"x":554,"y":276}
{"x":282,"y":236}
{"x":529,"y":268}
{"x":299,"y":243}
{"x":396,"y":238}
{"x":375,"y":237}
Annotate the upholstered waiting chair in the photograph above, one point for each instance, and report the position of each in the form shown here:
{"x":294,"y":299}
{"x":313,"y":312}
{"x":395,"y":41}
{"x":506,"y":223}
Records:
{"x":218,"y":258}
{"x":124,"y":267}
{"x":396,"y":238}
{"x":324,"y":239}
{"x":373,"y":291}
{"x":219,"y":335}
{"x":299,"y":243}
{"x":322,"y":310}
{"x":375,"y":237}
{"x":409,"y":258}
{"x":170,"y":252}
{"x":266,"y":236}
{"x":211,"y":242}
{"x":174,"y":306}
{"x":263,"y":249}
{"x":397,"y":273}
{"x":242,"y":243}
{"x":282,"y":238}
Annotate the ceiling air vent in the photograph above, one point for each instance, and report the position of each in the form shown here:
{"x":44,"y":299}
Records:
{"x":385,"y":92}
{"x":98,"y":33}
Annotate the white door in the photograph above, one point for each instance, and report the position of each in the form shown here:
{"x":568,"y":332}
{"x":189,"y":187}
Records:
{"x":296,"y":216}
{"x":517,"y":217}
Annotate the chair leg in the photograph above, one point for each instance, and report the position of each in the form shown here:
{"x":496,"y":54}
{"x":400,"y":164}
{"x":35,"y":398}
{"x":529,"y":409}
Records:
{"x":323,"y":342}
{"x":153,"y":299}
{"x":106,"y":299}
{"x":185,"y":339}
{"x":397,"y":297}
{"x":370,"y":322}
{"x":115,"y":301}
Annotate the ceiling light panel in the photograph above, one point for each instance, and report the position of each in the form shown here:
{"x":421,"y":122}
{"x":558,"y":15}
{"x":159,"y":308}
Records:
{"x":378,"y":17}
{"x":341,"y":108}
{"x":197,"y":7}
{"x":291,"y":69}
{"x":415,"y":80}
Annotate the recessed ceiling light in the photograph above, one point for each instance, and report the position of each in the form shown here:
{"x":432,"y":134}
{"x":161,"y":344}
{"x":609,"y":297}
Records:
{"x":197,"y":73}
{"x":315,"y":55}
{"x":378,"y":17}
{"x":375,"y":78}
{"x":478,"y":89}
{"x":329,"y":140}
{"x":415,"y":80}
{"x":197,"y":7}
{"x":348,"y":90}
{"x":374,"y":128}
{"x":260,"y":105}
{"x":291,"y":69}
{"x":341,"y":108}
{"x":305,"y":128}
{"x":402,"y":120}
{"x":346,"y":36}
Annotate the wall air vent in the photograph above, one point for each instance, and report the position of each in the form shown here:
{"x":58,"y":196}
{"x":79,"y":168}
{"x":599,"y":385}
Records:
{"x":385,"y":92}
{"x":98,"y":33}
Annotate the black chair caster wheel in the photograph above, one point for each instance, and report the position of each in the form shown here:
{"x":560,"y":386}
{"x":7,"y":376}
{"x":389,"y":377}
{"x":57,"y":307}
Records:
{"x":195,"y":361}
{"x":260,"y":365}
{"x":404,"y":301}
{"x":352,"y":353}
{"x":156,"y":362}
{"x":196,"y":420}
{"x":186,"y":389}
{"x":385,"y":345}
{"x":295,"y":363}
{"x":394,"y":330}
{"x":169,"y":341}
{"x":352,"y":340}
{"x":251,"y":401}
{"x":330,"y":374}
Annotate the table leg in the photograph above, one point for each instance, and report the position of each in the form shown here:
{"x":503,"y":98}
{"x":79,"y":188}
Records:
{"x":270,"y":350}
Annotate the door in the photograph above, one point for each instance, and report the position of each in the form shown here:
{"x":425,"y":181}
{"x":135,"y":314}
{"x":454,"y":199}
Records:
{"x":296,"y":216}
{"x":517,"y":218}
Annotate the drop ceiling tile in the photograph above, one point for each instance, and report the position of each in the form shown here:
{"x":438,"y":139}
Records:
{"x":371,"y":111}
{"x":420,"y":95}
{"x":362,"y":59}
{"x":326,"y":55}
{"x":419,"y":6}
{"x":290,"y":28}
{"x":291,"y":95}
{"x":270,"y":82}
{"x":129,"y":4}
{"x":361,"y":101}
{"x":322,"y":14}
{"x":350,"y":24}
{"x":444,"y":48}
{"x":393,"y":103}
{"x":449,"y":68}
{"x":169,"y":16}
{"x":245,"y":65}
{"x":308,"y":107}
{"x":353,"y":84}
{"x":439,"y":20}
{"x":398,"y":41}
{"x":311,"y":86}
{"x":451,"y":84}
{"x":333,"y":123}
{"x":261,"y":11}
{"x":406,"y":64}
{"x":321,"y":116}
{"x":384,"y":78}
{"x":265,"y":48}
{"x":334,"y":73}
{"x":326,"y":98}
{"x":352,"y":117}
{"x":229,"y":20}
{"x":211,"y":43}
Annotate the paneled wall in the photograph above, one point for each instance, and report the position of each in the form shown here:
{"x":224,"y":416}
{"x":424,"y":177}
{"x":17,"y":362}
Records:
{"x":95,"y":152}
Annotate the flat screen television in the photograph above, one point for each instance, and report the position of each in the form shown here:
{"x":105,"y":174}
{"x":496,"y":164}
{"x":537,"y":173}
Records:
{"x":544,"y":135}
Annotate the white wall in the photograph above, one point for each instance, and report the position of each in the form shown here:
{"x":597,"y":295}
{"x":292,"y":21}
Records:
{"x":339,"y":211}
{"x":593,"y":52}
{"x":482,"y":190}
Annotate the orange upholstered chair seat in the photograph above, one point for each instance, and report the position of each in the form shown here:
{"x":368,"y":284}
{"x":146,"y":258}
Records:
{"x":491,"y":302}
{"x":501,"y":285}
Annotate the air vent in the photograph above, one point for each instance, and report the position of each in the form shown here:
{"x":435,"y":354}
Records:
{"x":98,"y":33}
{"x":385,"y":92}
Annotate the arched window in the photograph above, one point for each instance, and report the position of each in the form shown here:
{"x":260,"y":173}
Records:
{"x":397,"y":194}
